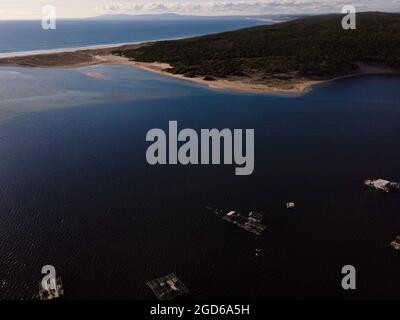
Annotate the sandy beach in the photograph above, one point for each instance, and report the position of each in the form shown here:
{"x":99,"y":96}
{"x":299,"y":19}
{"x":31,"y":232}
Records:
{"x":295,"y":86}
{"x":239,"y":84}
{"x":82,"y":58}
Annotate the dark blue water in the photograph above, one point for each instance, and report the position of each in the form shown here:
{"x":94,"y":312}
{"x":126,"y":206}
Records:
{"x":16,"y":36}
{"x":76,"y":191}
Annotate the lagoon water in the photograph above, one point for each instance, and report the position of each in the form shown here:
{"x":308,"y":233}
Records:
{"x":76,"y":191}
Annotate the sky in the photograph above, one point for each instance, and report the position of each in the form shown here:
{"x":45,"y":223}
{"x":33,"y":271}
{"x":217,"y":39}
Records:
{"x":31,"y":9}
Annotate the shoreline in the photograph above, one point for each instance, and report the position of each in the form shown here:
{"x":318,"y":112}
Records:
{"x":221,"y":84}
{"x":292,"y":88}
{"x":61,"y":50}
{"x":103,"y":46}
{"x":89,"y":56}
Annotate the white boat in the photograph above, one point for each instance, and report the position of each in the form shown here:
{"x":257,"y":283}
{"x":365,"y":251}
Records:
{"x":379,"y":184}
{"x":396,"y":243}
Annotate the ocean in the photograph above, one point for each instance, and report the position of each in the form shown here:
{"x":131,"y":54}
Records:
{"x":21,"y":36}
{"x":77,"y":193}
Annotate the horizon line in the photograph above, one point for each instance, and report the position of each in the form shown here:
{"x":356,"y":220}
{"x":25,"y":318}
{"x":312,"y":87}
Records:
{"x":198,"y":15}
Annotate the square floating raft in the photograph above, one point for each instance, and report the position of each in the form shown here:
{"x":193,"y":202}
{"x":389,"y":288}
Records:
{"x":251,"y":222}
{"x":168,"y":287}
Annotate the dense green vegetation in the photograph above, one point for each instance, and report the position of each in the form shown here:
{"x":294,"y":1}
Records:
{"x":311,"y":47}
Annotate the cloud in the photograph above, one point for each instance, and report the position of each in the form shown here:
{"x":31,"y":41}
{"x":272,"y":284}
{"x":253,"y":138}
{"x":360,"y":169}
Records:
{"x":247,"y":7}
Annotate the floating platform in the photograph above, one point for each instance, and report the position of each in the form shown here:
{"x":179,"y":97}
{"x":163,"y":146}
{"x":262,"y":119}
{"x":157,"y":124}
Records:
{"x":396,"y":243}
{"x":290,"y":205}
{"x":382,"y":185}
{"x":251,"y":222}
{"x":168,"y":287}
{"x":52,"y":290}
